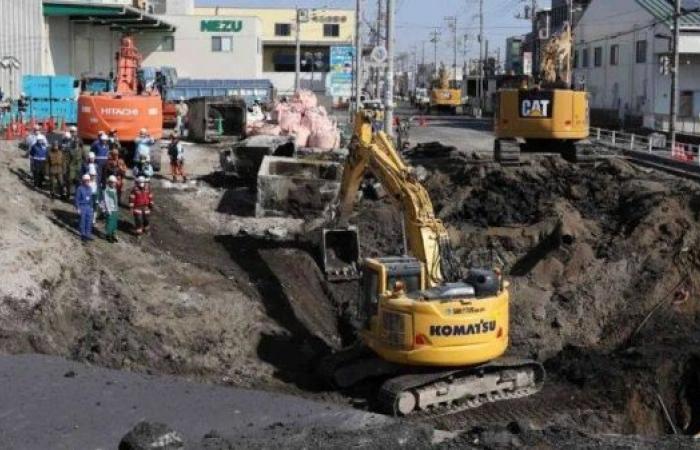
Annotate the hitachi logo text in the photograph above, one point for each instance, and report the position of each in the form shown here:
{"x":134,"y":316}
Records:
{"x":119,"y":112}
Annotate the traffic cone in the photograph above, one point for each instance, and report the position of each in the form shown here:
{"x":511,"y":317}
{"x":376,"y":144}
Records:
{"x":9,"y":134}
{"x":50,"y":125}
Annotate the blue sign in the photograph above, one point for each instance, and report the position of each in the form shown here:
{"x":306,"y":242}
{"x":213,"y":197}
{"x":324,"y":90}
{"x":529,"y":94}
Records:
{"x":341,"y":61}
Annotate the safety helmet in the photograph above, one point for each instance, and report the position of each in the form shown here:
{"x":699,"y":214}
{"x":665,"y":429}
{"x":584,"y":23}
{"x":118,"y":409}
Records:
{"x":182,"y":99}
{"x":73,"y":129}
{"x":103,"y":137}
{"x":67,"y":135}
{"x":141,"y":180}
{"x":112,"y":179}
{"x":41,"y":138}
{"x":86,"y":177}
{"x":143,"y":131}
{"x":36,"y":127}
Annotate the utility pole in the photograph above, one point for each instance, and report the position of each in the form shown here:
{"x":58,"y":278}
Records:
{"x":435,"y":38}
{"x":297,"y":57}
{"x":378,"y":42}
{"x":535,"y":39}
{"x":452,"y":23}
{"x":675,"y":69}
{"x":358,"y":54}
{"x":480,"y":87}
{"x":389,"y":88}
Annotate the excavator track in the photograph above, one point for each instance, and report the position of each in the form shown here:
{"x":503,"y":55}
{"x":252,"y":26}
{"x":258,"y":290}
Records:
{"x":435,"y":394}
{"x":506,"y":152}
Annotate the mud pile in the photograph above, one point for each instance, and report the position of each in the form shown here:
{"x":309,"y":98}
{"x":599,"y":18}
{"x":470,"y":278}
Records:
{"x":603,"y":262}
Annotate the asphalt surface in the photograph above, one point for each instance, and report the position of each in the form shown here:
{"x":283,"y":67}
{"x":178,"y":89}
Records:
{"x":465,"y":133}
{"x":50,"y":403}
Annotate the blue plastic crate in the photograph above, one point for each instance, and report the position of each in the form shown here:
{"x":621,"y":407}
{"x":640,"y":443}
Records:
{"x":48,"y":87}
{"x":62,"y":87}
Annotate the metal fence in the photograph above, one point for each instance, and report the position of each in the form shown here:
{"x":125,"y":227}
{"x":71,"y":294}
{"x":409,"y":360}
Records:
{"x":654,"y":144}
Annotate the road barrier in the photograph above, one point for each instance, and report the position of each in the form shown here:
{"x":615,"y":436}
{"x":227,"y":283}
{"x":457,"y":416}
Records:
{"x":651,"y":145}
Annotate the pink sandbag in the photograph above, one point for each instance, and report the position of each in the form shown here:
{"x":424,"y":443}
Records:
{"x":307,"y":98}
{"x":289,"y":120}
{"x":263,"y":128}
{"x":279,"y":110}
{"x":325,"y":139}
{"x":301,"y":135}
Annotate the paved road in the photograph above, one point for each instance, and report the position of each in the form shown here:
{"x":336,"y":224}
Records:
{"x":42,"y":406}
{"x":465,"y":133}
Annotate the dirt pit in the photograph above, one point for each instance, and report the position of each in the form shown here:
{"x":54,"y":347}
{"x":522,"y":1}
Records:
{"x":603,"y":262}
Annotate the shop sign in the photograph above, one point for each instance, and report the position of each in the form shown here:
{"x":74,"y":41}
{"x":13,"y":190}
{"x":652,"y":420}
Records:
{"x":221,"y":26}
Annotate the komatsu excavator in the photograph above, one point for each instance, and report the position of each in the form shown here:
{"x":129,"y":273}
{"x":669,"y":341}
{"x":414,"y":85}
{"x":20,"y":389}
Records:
{"x":548,"y":116}
{"x":433,"y":334}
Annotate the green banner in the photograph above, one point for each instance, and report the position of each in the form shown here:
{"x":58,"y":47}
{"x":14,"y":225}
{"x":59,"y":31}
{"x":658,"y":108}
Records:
{"x":221,"y":26}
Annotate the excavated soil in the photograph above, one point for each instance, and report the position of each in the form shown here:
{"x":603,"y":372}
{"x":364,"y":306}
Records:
{"x":603,"y":261}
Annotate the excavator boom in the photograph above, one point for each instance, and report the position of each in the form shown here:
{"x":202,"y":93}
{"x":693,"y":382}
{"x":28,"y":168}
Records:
{"x":426,"y":237}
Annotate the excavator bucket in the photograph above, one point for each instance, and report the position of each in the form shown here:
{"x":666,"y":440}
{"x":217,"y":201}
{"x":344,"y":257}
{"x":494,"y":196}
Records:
{"x":341,"y":253}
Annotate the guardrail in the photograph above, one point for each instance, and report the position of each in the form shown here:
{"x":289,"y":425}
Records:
{"x":654,"y":146}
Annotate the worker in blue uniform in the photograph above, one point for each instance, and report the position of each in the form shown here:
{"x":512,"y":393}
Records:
{"x":84,"y":205}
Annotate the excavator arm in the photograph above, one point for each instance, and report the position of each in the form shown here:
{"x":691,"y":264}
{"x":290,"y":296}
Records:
{"x":425,"y":235}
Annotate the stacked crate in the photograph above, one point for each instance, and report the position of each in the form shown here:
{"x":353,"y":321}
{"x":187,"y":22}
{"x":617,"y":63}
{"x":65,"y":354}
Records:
{"x":51,"y":97}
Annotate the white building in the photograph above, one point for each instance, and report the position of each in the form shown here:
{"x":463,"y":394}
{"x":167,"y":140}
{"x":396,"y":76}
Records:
{"x":21,"y":42}
{"x":620,"y":51}
{"x":82,"y":38}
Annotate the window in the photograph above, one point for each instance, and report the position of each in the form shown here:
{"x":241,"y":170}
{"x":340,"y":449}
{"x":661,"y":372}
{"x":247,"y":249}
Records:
{"x":598,"y":56}
{"x":585,"y":57}
{"x":166,"y":44}
{"x":614,"y":55}
{"x":221,"y":43}
{"x":575,"y":59}
{"x":283,"y":29}
{"x":641,"y":52}
{"x":331,"y":30}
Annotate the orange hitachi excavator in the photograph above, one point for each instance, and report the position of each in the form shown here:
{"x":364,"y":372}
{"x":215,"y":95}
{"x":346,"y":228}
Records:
{"x":128,"y":109}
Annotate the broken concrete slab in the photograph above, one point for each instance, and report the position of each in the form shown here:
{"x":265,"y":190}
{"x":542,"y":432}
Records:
{"x":296,"y":188}
{"x":243,"y":159}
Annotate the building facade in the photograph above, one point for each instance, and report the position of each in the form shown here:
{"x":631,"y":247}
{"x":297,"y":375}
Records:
{"x":321,"y":30}
{"x":81,"y":38}
{"x":21,"y":43}
{"x":621,"y":55}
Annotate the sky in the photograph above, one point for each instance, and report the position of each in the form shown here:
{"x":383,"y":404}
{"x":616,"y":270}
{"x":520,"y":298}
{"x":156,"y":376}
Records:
{"x":415,"y":19}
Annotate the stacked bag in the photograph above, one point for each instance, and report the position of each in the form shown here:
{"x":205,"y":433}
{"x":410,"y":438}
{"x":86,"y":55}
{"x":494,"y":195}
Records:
{"x":302,"y":118}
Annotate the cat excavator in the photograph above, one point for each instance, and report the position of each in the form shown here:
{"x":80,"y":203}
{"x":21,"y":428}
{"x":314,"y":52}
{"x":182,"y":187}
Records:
{"x":433,"y":335}
{"x":548,"y":116}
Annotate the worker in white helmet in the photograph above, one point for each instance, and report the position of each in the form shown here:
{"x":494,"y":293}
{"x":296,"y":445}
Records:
{"x":84,"y":206}
{"x":110,"y":207}
{"x":143,"y":146}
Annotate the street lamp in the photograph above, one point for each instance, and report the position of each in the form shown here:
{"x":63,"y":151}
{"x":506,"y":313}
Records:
{"x":10,"y":63}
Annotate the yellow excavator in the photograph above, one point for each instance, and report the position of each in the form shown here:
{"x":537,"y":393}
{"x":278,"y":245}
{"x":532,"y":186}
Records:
{"x":433,"y":334}
{"x":549,"y":116}
{"x":443,"y":96}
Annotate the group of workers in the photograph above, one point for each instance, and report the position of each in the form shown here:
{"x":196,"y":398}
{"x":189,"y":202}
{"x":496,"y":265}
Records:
{"x":96,"y":176}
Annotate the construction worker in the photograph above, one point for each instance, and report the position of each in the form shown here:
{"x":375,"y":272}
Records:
{"x":140,"y":204}
{"x":32,"y":137}
{"x":110,"y":206}
{"x":37,"y":156}
{"x":22,"y":106}
{"x":113,"y":141}
{"x":74,"y":159}
{"x":84,"y":205}
{"x":115,"y":167}
{"x":101,"y":150}
{"x":89,"y":166}
{"x":143,"y":146}
{"x":56,"y":171}
{"x":176,"y":152}
{"x":181,"y":110}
